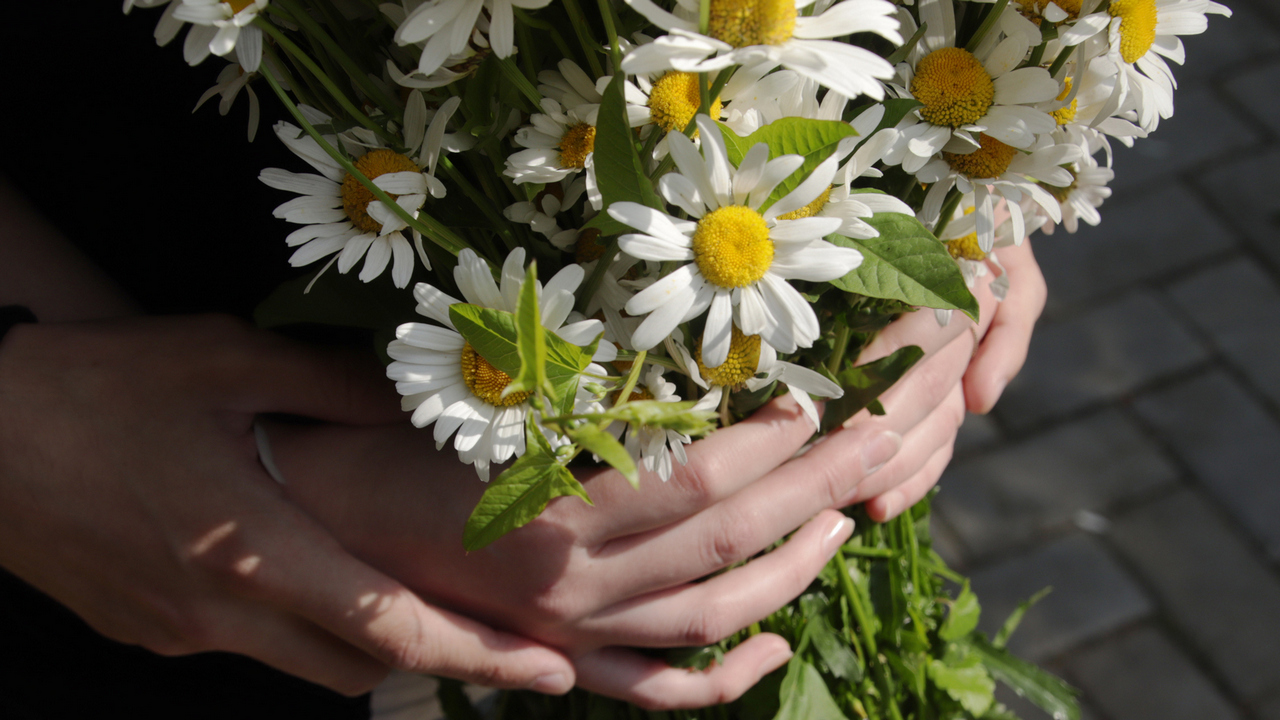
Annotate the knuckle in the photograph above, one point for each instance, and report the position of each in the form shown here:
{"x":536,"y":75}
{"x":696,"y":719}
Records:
{"x":730,"y":540}
{"x":555,"y":606}
{"x":707,"y":624}
{"x":697,"y":479}
{"x":406,"y":651}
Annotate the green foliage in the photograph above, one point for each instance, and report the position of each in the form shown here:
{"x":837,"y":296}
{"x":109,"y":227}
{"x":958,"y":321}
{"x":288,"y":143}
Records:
{"x":1048,"y":692}
{"x":521,"y":493}
{"x":805,"y":695}
{"x":531,"y":341}
{"x":598,"y":440}
{"x":962,"y":676}
{"x":617,"y":161}
{"x":1015,"y":618}
{"x":815,"y":140}
{"x":864,"y":383}
{"x":678,"y":416}
{"x":907,"y":263}
{"x":963,"y":617}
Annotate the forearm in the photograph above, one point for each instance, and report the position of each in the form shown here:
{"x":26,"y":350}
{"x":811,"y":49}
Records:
{"x":40,"y":268}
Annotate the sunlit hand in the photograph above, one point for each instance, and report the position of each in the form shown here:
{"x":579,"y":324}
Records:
{"x":130,"y":491}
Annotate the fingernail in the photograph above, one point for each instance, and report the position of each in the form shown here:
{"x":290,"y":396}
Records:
{"x":836,"y":537}
{"x":880,"y":450}
{"x":552,"y":684}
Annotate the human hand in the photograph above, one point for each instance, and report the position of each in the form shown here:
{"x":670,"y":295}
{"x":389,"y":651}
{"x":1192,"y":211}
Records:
{"x":130,"y":491}
{"x":954,"y":376}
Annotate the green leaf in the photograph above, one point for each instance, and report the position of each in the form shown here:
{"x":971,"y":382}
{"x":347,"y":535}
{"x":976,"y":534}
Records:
{"x":907,"y":263}
{"x":815,"y":140}
{"x":678,"y":416}
{"x":531,"y":341}
{"x":522,"y":492}
{"x":491,"y":333}
{"x":1015,"y":618}
{"x":963,"y":617}
{"x":833,"y":649}
{"x":617,"y":162}
{"x":600,"y":442}
{"x":864,"y":383}
{"x":1047,"y":691}
{"x":965,"y":679}
{"x":804,"y":695}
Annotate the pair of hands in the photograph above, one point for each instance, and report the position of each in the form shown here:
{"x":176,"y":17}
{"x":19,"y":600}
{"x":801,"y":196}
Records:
{"x":132,"y":493}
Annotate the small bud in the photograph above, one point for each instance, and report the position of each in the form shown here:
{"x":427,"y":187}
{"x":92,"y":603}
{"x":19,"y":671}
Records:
{"x":595,"y":389}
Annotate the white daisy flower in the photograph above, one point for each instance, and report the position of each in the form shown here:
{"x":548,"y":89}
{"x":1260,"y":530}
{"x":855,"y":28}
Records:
{"x":558,"y":143}
{"x":1088,"y":189}
{"x":340,"y":215}
{"x":1140,"y":35}
{"x":961,"y":240}
{"x":444,"y":27}
{"x":741,"y":257}
{"x":966,"y":94}
{"x":168,"y":26}
{"x":231,"y":81}
{"x":998,"y":169}
{"x":443,"y":380}
{"x":747,"y":32}
{"x":221,"y":26}
{"x":754,"y":364}
{"x":653,"y":447}
{"x":454,"y":67}
{"x":541,"y":212}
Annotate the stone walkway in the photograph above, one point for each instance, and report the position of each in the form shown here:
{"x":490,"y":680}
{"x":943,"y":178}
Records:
{"x":1134,"y":465}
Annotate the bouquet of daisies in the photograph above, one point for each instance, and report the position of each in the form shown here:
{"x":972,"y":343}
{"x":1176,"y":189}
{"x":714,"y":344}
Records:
{"x":624,"y":224}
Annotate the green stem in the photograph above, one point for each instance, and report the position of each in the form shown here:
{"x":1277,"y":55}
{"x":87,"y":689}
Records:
{"x":704,"y":16}
{"x":901,"y":53}
{"x":1061,"y":60}
{"x":843,"y":333}
{"x":295,"y":51}
{"x":949,"y":206}
{"x":1036,"y":56}
{"x":522,"y":83}
{"x":987,"y":23}
{"x":428,"y":226}
{"x":278,"y":63}
{"x":855,"y":602}
{"x":481,"y":200}
{"x":664,"y":361}
{"x":597,"y":275}
{"x":585,"y":38}
{"x":633,"y":377}
{"x":357,"y":75}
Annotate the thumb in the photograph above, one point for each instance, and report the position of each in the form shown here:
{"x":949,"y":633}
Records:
{"x":338,"y":385}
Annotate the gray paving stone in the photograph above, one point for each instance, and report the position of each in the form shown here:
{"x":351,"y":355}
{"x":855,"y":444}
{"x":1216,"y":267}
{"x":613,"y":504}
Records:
{"x":1142,"y":237}
{"x":1245,"y":191}
{"x":1269,"y":708}
{"x":1258,"y":90}
{"x":947,"y":544}
{"x":977,"y":432}
{"x":1210,"y":585}
{"x":1092,"y":595}
{"x":1249,"y":332}
{"x":1201,"y":129}
{"x":1227,"y":42}
{"x":1007,"y":496}
{"x":1231,"y":444}
{"x":1097,"y":356}
{"x":1141,"y":675}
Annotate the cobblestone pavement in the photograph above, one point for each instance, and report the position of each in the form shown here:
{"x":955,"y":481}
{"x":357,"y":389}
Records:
{"x":1134,"y":465}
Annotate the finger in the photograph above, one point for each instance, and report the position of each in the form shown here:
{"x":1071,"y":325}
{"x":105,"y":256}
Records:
{"x":707,"y":612}
{"x":918,"y":447}
{"x":718,"y":466}
{"x":915,"y":396}
{"x":1004,"y":348}
{"x":263,"y":372}
{"x":884,"y":508}
{"x":281,"y":557}
{"x":652,"y":684}
{"x":297,"y":647}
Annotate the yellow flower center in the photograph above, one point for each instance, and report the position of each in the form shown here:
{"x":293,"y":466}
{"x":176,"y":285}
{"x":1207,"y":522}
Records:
{"x":587,"y":248}
{"x":954,"y":87}
{"x":675,"y":99}
{"x":356,"y":197}
{"x":752,"y":22}
{"x":989,"y":161}
{"x":237,"y":5}
{"x":811,"y":209}
{"x":1061,"y":193}
{"x":1064,"y":115}
{"x":486,"y":381}
{"x":1137,"y":26}
{"x":966,"y":247}
{"x":637,"y":393}
{"x":740,"y":366}
{"x":732,"y":246}
{"x":576,"y":144}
